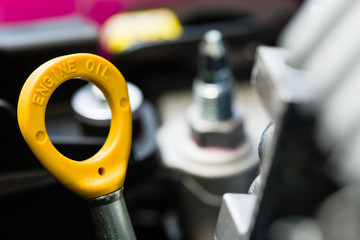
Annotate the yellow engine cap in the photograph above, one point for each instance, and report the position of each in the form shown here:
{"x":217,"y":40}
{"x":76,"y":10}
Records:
{"x":104,"y":172}
{"x":123,"y":31}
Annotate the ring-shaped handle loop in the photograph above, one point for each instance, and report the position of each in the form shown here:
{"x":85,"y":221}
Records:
{"x":105,"y":171}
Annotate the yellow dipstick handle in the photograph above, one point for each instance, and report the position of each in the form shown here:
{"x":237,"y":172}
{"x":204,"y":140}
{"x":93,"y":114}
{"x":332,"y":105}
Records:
{"x":105,"y":171}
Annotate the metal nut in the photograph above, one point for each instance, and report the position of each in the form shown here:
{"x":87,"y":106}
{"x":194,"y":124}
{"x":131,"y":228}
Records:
{"x":228,"y":134}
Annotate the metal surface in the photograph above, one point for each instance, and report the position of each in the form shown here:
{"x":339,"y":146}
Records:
{"x":254,"y":188}
{"x":311,"y":89}
{"x":235,"y":216}
{"x":266,"y":140}
{"x":110,"y":217}
{"x":276,"y":82}
{"x":295,"y":177}
{"x":91,"y":107}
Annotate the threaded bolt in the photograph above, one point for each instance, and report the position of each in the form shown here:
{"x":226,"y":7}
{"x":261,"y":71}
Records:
{"x":214,"y":83}
{"x":210,"y":117}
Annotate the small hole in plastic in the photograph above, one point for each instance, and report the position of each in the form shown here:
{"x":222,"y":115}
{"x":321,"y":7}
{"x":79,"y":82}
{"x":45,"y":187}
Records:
{"x":101,"y":171}
{"x":40,"y":136}
{"x":124,"y":103}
